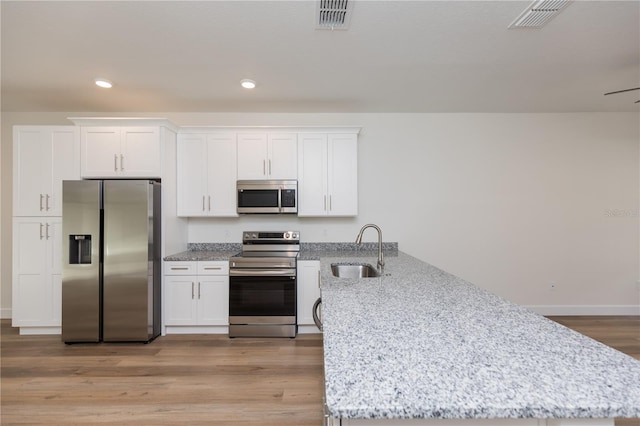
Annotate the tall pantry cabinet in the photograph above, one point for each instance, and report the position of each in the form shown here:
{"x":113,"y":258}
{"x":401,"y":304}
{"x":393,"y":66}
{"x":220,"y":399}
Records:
{"x":43,"y":156}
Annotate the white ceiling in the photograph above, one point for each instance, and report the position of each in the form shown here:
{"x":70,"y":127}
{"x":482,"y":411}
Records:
{"x":397,"y":56}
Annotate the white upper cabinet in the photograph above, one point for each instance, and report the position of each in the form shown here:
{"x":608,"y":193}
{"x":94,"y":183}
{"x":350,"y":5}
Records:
{"x":328,"y":174}
{"x":121,"y":152}
{"x":43,"y":156}
{"x":267,"y":156}
{"x":206,"y":174}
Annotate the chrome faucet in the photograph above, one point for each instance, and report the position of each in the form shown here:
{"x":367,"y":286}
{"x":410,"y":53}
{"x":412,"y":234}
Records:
{"x":380,"y":256}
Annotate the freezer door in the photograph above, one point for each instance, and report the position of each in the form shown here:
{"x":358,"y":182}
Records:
{"x":128,"y":260}
{"x":81,"y":261}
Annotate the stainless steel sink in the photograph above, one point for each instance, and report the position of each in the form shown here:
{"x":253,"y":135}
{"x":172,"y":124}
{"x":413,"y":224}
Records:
{"x":353,"y":270}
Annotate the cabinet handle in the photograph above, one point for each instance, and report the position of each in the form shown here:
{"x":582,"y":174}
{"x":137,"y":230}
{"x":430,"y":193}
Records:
{"x":203,"y":203}
{"x":192,"y":290}
{"x":269,"y":167}
{"x":41,"y":225}
{"x":47,"y":201}
{"x":47,"y":231}
{"x":179,"y":268}
{"x":198,"y":290}
{"x":41,"y":197}
{"x":325,"y":203}
{"x":330,"y":203}
{"x":115,"y":162}
{"x":209,"y":202}
{"x":264,"y":167}
{"x":318,"y":279}
{"x":121,"y":163}
{"x":212,"y":268}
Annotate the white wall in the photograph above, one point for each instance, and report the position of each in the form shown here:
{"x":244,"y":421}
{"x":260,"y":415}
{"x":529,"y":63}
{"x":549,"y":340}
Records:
{"x":510,"y":202}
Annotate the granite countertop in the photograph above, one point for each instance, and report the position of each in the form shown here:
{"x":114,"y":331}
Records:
{"x":206,"y":252}
{"x":421,"y":343}
{"x":308,"y":251}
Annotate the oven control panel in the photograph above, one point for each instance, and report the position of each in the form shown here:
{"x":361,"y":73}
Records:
{"x":283,"y":236}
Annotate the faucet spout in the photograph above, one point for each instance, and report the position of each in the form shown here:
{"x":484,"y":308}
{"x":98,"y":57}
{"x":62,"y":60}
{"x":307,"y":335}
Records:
{"x":380,"y":255}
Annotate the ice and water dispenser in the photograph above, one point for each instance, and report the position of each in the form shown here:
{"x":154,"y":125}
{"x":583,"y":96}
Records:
{"x":79,"y":249}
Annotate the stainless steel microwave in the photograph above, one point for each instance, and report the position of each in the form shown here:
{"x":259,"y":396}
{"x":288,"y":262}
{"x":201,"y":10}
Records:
{"x":267,"y":196}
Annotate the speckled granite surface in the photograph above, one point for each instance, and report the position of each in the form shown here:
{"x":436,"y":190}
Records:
{"x":206,"y":252}
{"x":308,"y":251}
{"x":421,"y":343}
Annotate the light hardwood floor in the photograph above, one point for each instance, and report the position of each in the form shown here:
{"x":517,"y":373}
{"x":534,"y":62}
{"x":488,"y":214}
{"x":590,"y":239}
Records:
{"x":195,"y":379}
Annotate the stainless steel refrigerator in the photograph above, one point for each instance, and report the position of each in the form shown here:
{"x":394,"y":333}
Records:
{"x":111,"y":261}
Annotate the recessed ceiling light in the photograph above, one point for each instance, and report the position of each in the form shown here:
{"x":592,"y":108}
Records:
{"x":104,"y":83}
{"x":248,"y":84}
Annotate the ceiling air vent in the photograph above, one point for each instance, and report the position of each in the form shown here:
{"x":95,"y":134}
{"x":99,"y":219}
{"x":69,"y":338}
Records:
{"x":334,"y":14}
{"x":539,"y":13}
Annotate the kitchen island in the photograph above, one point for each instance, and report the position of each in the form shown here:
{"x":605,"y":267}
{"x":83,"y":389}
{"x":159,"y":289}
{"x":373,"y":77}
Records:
{"x":421,"y":346}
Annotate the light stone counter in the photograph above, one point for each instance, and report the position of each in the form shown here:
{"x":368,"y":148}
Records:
{"x":419,"y":343}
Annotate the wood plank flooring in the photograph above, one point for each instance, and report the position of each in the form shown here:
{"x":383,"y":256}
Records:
{"x":194,"y":379}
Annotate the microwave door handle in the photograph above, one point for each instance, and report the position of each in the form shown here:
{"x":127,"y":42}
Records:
{"x":280,"y":200}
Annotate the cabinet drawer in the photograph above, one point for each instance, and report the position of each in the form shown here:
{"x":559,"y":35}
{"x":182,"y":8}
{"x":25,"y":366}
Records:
{"x":180,"y":268}
{"x":213,"y":268}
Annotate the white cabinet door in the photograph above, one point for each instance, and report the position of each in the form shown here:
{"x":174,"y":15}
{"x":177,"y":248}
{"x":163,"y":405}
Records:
{"x":312,"y":175}
{"x":43,"y":156}
{"x":100,"y":148}
{"x":36,"y":261}
{"x":328,"y":175}
{"x":192,"y":174}
{"x":140,"y":152}
{"x":252,"y":156}
{"x":180,"y":300}
{"x":342,"y":175}
{"x":65,"y":164}
{"x":213,"y":300}
{"x":221,"y":174}
{"x":267,"y":156}
{"x":206,"y":174}
{"x":120,"y":152}
{"x":282,"y":161}
{"x":308,"y":289}
{"x":54,"y":256}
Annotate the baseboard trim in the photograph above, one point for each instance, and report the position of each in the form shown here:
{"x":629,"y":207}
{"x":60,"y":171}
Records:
{"x":5,"y":313}
{"x":571,"y":310}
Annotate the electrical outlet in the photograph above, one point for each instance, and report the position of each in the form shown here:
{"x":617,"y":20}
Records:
{"x":553,"y":286}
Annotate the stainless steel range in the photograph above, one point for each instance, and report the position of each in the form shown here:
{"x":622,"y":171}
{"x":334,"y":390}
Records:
{"x":262,"y":285}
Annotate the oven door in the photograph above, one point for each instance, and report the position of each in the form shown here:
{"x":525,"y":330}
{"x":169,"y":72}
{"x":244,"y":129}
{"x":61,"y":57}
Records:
{"x":262,"y":296}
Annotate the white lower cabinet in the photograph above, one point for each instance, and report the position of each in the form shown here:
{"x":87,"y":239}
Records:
{"x":196,"y":297}
{"x":37,"y":275}
{"x":308,"y":293}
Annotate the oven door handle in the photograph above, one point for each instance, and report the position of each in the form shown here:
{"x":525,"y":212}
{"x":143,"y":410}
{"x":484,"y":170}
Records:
{"x":262,"y":272}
